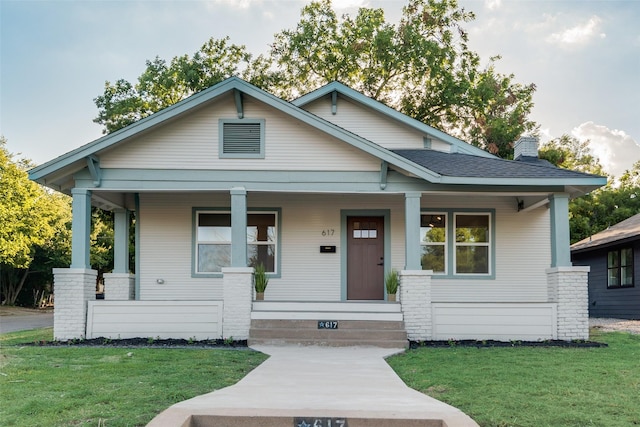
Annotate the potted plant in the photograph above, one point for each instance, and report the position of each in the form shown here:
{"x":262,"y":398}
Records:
{"x":260,"y":281}
{"x":391,"y":280}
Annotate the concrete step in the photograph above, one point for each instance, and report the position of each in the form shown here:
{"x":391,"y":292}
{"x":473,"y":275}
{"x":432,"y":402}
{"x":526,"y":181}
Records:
{"x":294,"y":310}
{"x":279,"y":421}
{"x":386,"y":334}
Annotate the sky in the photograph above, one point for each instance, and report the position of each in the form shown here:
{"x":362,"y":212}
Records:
{"x":55,"y":56}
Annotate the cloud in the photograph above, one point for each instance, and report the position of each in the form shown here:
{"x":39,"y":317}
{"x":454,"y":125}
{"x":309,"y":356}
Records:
{"x":240,"y":4}
{"x":348,"y":4}
{"x":578,"y":35}
{"x":492,"y":4}
{"x":616,"y":150}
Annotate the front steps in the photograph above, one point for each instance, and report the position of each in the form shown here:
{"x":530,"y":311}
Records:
{"x":378,"y":324}
{"x":279,"y":421}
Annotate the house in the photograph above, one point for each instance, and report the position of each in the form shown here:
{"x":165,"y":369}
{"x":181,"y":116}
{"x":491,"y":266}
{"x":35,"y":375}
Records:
{"x":328,"y":192}
{"x":613,"y":280}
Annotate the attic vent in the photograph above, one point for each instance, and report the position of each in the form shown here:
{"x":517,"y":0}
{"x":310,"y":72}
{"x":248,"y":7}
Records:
{"x":242,"y":138}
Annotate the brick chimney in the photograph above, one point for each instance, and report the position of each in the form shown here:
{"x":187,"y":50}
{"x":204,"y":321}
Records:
{"x":526,"y":146}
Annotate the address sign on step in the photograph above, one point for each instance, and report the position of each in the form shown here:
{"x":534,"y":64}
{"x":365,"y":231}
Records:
{"x":319,"y":422}
{"x":327,"y":324}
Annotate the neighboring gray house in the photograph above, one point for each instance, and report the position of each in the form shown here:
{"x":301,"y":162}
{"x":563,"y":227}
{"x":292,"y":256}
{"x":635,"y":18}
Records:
{"x":329,"y":192}
{"x":614,"y":280}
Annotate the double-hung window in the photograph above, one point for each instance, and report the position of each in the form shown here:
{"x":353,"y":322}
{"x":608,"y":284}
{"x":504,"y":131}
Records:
{"x":457,"y":244}
{"x":213,"y":240}
{"x":620,"y":268}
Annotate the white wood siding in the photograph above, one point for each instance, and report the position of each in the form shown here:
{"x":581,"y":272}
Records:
{"x":372,"y":125}
{"x":523,"y":252}
{"x":191,"y":142}
{"x":502,"y":322}
{"x":522,"y":246}
{"x":199,"y":320}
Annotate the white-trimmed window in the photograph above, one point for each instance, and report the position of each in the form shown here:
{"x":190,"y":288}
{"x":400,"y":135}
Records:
{"x":241,"y":138}
{"x":472,"y":243}
{"x":433,"y":240}
{"x":213,"y":240}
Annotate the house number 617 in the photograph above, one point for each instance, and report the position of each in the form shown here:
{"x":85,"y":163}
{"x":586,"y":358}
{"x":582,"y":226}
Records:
{"x":328,"y":232}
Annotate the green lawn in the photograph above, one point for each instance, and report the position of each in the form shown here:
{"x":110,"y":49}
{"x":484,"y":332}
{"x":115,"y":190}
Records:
{"x":498,"y":387}
{"x":103,"y":386}
{"x":526,"y":386}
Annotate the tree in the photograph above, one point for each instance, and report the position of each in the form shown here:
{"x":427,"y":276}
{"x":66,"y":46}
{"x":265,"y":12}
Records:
{"x":162,"y":85}
{"x":31,"y":218}
{"x":422,"y":66}
{"x":603,"y":207}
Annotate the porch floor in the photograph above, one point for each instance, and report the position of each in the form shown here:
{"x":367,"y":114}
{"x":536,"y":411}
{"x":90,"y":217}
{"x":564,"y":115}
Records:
{"x":298,"y":385}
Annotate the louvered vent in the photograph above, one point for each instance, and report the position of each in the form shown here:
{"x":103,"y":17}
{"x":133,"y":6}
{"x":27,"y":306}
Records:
{"x":241,"y":138}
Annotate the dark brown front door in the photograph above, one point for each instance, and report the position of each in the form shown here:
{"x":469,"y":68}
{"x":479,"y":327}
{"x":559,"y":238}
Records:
{"x":365,"y":258}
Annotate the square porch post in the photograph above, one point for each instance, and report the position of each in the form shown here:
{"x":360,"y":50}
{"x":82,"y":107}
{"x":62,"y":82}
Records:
{"x":412,"y":230}
{"x":120,"y":284}
{"x":560,"y":242}
{"x":80,"y":228}
{"x":238,"y":227}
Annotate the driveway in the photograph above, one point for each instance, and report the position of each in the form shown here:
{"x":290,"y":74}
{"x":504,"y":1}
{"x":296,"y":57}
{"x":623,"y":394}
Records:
{"x":13,"y":319}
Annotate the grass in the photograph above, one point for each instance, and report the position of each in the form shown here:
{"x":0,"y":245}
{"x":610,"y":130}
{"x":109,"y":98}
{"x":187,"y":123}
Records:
{"x":527,"y":386}
{"x":498,"y":387}
{"x":91,"y":386}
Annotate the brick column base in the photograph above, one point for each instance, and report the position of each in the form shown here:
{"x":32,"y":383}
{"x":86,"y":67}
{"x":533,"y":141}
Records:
{"x":73,"y":287}
{"x":568,"y":287}
{"x":119,"y":286}
{"x":237,"y":292}
{"x":415,"y":297}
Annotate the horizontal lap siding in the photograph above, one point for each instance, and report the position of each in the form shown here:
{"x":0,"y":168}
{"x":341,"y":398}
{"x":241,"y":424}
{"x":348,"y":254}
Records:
{"x":523,"y":253}
{"x":176,"y":319}
{"x":192,"y":143}
{"x":494,"y":321}
{"x":371,"y":125}
{"x":610,"y":302}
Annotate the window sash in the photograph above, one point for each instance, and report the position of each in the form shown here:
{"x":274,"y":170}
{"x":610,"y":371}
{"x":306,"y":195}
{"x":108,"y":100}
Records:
{"x":620,"y":268}
{"x":434,"y":242}
{"x":213,"y":240}
{"x":472,"y":247}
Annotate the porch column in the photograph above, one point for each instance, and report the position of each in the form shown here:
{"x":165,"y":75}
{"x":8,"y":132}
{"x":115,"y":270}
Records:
{"x":415,"y":297}
{"x":237,"y":292}
{"x":238,"y":227}
{"x":560,"y":242}
{"x":569,"y":289}
{"x":121,"y":220}
{"x":80,"y":228}
{"x":412,"y":230}
{"x":72,"y":289}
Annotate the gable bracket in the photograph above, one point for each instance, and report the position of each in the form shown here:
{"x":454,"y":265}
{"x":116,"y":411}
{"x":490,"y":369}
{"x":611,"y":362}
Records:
{"x":384,"y":170}
{"x":334,"y":102}
{"x":93,"y":163}
{"x":239,"y":105}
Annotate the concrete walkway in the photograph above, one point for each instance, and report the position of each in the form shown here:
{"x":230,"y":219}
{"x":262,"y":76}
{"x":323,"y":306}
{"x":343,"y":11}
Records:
{"x":323,"y":382}
{"x":13,"y":319}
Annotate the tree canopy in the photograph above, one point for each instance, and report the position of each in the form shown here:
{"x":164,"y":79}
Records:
{"x":603,"y":207}
{"x":421,"y":66}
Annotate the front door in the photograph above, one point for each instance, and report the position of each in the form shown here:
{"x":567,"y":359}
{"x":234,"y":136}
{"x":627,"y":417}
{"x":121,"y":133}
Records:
{"x":365,"y":258}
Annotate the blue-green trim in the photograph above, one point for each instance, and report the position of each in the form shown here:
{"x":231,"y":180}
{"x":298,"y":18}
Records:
{"x":227,"y":209}
{"x":121,"y":220}
{"x":93,"y":163}
{"x":560,"y":238}
{"x":237,"y":95}
{"x":81,"y":228}
{"x":344,"y":213}
{"x":238,"y":227}
{"x":329,"y":181}
{"x":450,"y":248}
{"x":137,"y":244}
{"x":412,"y":223}
{"x":224,"y":155}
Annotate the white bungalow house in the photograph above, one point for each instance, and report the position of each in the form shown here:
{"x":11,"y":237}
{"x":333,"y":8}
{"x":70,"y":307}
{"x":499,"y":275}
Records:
{"x":329,"y":192}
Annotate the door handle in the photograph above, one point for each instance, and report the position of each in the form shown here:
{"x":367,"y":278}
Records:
{"x":381,"y":261}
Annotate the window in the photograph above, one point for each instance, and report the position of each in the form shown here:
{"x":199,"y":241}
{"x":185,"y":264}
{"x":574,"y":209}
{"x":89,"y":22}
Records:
{"x":241,"y":138}
{"x":457,"y":243}
{"x":620,"y":268}
{"x":213,"y":241}
{"x":433,"y":238}
{"x":472,"y":244}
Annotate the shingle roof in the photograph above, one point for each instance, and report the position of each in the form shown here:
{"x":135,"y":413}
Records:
{"x":468,"y":166}
{"x":626,"y":229}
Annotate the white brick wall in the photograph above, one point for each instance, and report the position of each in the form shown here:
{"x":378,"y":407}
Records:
{"x":119,"y":286}
{"x":237,"y":294}
{"x":73,"y":287}
{"x":415,"y":297}
{"x":568,"y":287}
